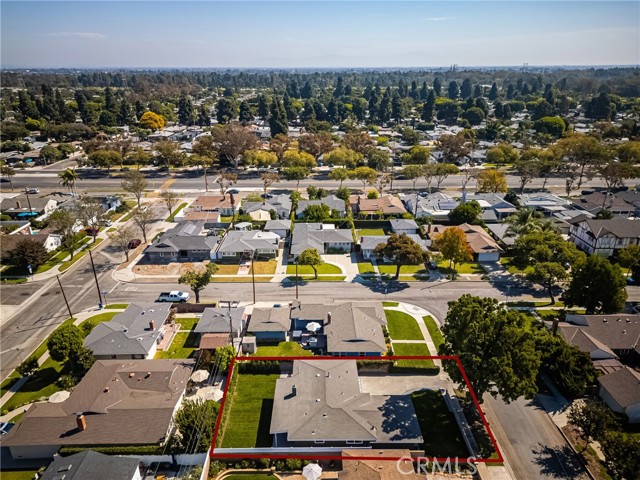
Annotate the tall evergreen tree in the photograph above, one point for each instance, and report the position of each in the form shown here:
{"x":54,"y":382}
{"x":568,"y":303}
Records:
{"x":466,"y":89}
{"x":278,"y":118}
{"x":263,"y":107}
{"x":185,"y":110}
{"x":307,"y":90}
{"x":437,"y":86}
{"x":454,"y":90}
{"x":110,"y":103}
{"x":429,"y":107}
{"x":493,"y":93}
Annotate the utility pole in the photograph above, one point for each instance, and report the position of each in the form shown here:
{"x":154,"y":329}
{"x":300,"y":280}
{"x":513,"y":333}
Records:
{"x":296,"y":279}
{"x":64,"y":296}
{"x":26,"y":192}
{"x":95,"y":275}
{"x":253,"y":278}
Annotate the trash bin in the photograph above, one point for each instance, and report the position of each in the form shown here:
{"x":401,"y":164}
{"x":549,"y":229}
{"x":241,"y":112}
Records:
{"x":100,"y":306}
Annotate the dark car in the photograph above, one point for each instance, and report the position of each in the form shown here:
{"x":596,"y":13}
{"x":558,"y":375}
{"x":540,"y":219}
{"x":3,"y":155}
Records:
{"x":233,"y":191}
{"x":92,"y":231}
{"x":134,"y":243}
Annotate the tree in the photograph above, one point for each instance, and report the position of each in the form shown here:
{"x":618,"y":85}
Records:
{"x":413,"y":173}
{"x":311,"y":257}
{"x":502,"y":154}
{"x":378,"y":159}
{"x":121,"y":238}
{"x":28,"y":367}
{"x":548,"y":274}
{"x":49,"y":154}
{"x":64,"y":342}
{"x":63,"y":221}
{"x":366,"y":175}
{"x":278,"y":119}
{"x":226,"y":110}
{"x":143,"y":217}
{"x":629,"y":152}
{"x":553,"y":126}
{"x":186,"y":114}
{"x":7,"y":171}
{"x":233,"y":141}
{"x":317,"y":213}
{"x":493,"y":93}
{"x":169,"y":153}
{"x":428,"y":107}
{"x":381,"y":183}
{"x":598,"y":286}
{"x":316,"y":144}
{"x":28,"y":252}
{"x":493,"y":181}
{"x":339,"y":174}
{"x":226,"y":180}
{"x":453,"y":147}
{"x":454,"y":90}
{"x":105,"y":158}
{"x":296,"y":158}
{"x":474,"y":115}
{"x":418,"y":155}
{"x":269,"y":179}
{"x":629,"y":258}
{"x":68,"y":178}
{"x":402,"y":250}
{"x":170,"y":199}
{"x":465,"y":213}
{"x":622,"y":454}
{"x":134,"y":183}
{"x":343,"y":157}
{"x":614,"y":173}
{"x":89,"y":211}
{"x":452,"y":245}
{"x":442,"y":171}
{"x":296,"y":174}
{"x":278,"y":145}
{"x":198,"y":280}
{"x":582,"y":151}
{"x":359,"y":142}
{"x":152,"y":121}
{"x":497,"y":350}
{"x":592,"y":418}
{"x":525,"y":220}
{"x":196,"y":422}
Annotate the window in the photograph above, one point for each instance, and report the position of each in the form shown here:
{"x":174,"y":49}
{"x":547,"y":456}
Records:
{"x":319,"y":442}
{"x":228,"y":254}
{"x":354,"y":442}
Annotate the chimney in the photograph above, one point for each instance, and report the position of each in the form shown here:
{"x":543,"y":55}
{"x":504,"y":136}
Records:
{"x":152,"y":325}
{"x":82,"y":423}
{"x":328,"y":319}
{"x":554,"y":325}
{"x":18,"y":205}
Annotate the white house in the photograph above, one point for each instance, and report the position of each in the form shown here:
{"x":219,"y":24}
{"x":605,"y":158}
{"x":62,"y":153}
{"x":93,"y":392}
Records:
{"x":604,"y":237}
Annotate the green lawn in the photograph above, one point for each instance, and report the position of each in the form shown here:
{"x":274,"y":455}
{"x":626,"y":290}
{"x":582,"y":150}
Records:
{"x":325,"y":268}
{"x":40,"y":385}
{"x":188,"y":323}
{"x":545,"y":303}
{"x":442,"y":437}
{"x":412,"y":349}
{"x":507,"y":262}
{"x":101,"y":317}
{"x":171,"y":217}
{"x":390,"y":304}
{"x":250,"y":412}
{"x":405,"y":269}
{"x":116,"y":306}
{"x":182,"y":346}
{"x":18,"y":475}
{"x":466,"y":268}
{"x":328,"y":278}
{"x":65,"y":265}
{"x":282,"y":349}
{"x":265,"y":268}
{"x":370,"y":232}
{"x":6,"y":385}
{"x":402,"y":326}
{"x":365,"y":267}
{"x":434,"y":331}
{"x":240,"y":279}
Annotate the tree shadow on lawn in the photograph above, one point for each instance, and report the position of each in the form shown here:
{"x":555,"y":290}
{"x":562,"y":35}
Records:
{"x":263,"y":436}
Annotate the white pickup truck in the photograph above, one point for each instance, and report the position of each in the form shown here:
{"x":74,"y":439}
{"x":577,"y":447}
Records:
{"x":174,"y":296}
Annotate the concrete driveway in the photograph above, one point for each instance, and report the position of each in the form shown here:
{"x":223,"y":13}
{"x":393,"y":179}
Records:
{"x":344,"y":261}
{"x":386,"y":384}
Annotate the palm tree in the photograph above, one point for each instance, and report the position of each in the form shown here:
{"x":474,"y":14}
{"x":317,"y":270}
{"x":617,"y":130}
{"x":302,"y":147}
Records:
{"x":68,"y":179}
{"x":525,"y":220}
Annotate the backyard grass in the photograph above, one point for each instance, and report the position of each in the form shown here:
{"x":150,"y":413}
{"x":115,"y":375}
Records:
{"x":265,"y":268}
{"x":175,"y":212}
{"x":187,"y":323}
{"x":434,"y":331}
{"x":40,"y":385}
{"x":405,"y":269}
{"x":366,"y":267}
{"x":466,"y":268}
{"x":413,"y":349}
{"x":240,"y":279}
{"x":116,"y":306}
{"x":325,"y":268}
{"x":403,"y":326}
{"x":182,"y":346}
{"x":328,"y":278}
{"x":390,"y":304}
{"x":282,"y":349}
{"x":18,"y":474}
{"x":370,"y":232}
{"x":250,"y":412}
{"x":442,"y":437}
{"x":65,"y":265}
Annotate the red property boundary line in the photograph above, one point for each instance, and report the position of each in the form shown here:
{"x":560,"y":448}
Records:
{"x":440,"y":460}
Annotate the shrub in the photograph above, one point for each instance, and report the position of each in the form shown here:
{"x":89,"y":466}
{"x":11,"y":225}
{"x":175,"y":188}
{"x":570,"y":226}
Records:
{"x":67,"y":382}
{"x":294,"y":464}
{"x":29,"y":366}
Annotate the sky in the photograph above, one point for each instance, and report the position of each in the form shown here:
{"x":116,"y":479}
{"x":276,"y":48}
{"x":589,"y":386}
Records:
{"x":290,"y":34}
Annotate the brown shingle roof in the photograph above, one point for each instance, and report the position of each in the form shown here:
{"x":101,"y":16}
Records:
{"x":478,"y":240}
{"x":387,"y":205}
{"x":377,"y":469}
{"x":210,"y":341}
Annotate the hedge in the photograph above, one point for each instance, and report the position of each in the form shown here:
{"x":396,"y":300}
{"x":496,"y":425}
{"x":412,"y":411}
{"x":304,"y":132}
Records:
{"x":259,"y":366}
{"x":115,"y":450}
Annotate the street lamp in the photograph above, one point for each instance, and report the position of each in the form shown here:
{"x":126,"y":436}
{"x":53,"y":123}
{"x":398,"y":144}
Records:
{"x":104,"y":294}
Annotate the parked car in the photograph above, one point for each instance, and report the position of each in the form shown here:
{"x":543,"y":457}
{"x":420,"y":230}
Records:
{"x":234,"y":191}
{"x":106,"y":223}
{"x":135,"y":243}
{"x":266,"y":195}
{"x":174,"y":296}
{"x":32,"y":191}
{"x":5,"y":427}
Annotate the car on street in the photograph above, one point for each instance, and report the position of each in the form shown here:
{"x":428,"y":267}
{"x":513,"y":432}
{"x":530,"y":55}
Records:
{"x":135,"y":243}
{"x":174,"y":296}
{"x":32,"y":190}
{"x":234,"y":191}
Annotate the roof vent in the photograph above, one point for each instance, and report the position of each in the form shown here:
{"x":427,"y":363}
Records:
{"x":324,"y":415}
{"x":605,"y":320}
{"x":628,"y":320}
{"x":106,"y":390}
{"x":317,"y":400}
{"x":131,"y":375}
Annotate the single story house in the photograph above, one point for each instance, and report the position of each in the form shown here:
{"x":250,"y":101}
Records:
{"x":23,"y":207}
{"x":132,"y":334}
{"x":483,"y":247}
{"x":117,"y":403}
{"x":221,"y":320}
{"x":324,"y":237}
{"x":333,"y":202}
{"x":259,"y":214}
{"x":270,"y":324}
{"x":236,"y":244}
{"x":545,"y":203}
{"x":368,"y":243}
{"x":8,"y":243}
{"x":436,"y":206}
{"x":494,"y":206}
{"x":210,"y":219}
{"x":404,"y":225}
{"x":183,"y":243}
{"x":92,"y":465}
{"x":282,"y":228}
{"x":226,"y":205}
{"x":281,"y":204}
{"x":604,"y":237}
{"x":321,"y":403}
{"x":386,"y":205}
{"x":373,"y":469}
{"x":501,"y":232}
{"x":620,"y":390}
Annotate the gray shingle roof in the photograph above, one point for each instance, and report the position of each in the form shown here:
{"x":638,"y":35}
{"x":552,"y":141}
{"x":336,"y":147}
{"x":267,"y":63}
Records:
{"x":216,"y":320}
{"x":322,"y":401}
{"x":240,"y":241}
{"x":618,"y":332}
{"x":269,"y":320}
{"x":403,"y":224}
{"x":277,"y":225}
{"x":623,"y":385}
{"x":184,"y":236}
{"x":333,"y":202}
{"x":315,"y":235}
{"x":91,"y":465}
{"x":129,"y":332}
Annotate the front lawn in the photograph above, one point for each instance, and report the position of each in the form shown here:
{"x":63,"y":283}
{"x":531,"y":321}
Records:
{"x":366,"y":267}
{"x":413,"y":350}
{"x":18,"y":474}
{"x":390,"y":269}
{"x":265,"y":268}
{"x":434,"y":331}
{"x":101,"y":317}
{"x":507,"y":262}
{"x":114,"y":306}
{"x":466,"y":268}
{"x":171,"y":217}
{"x":402,"y":326}
{"x":9,"y":382}
{"x":390,"y":304}
{"x":328,"y":278}
{"x":442,"y":437}
{"x":41,"y":385}
{"x":325,"y":268}
{"x":375,"y":232}
{"x":282,"y":349}
{"x":182,"y":346}
{"x":250,"y":412}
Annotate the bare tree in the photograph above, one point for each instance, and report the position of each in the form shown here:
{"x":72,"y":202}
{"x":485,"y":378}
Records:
{"x":170,"y":199}
{"x":143,"y":217}
{"x":269,"y":179}
{"x":135,"y":183}
{"x":225,"y":180}
{"x":233,"y":140}
{"x":381,"y":183}
{"x":89,"y":211}
{"x":121,"y":239}
{"x":467,"y":175}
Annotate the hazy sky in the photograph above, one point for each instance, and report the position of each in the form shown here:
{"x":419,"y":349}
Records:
{"x":317,"y":33}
